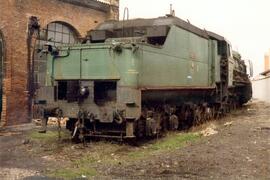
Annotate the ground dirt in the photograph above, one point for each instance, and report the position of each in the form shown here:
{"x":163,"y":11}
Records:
{"x":234,"y":147}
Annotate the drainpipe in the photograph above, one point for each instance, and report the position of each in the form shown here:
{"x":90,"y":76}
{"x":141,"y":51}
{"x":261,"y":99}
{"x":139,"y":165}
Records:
{"x":33,"y":33}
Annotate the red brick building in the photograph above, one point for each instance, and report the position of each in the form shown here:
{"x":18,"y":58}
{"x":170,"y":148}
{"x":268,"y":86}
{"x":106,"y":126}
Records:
{"x":59,"y":21}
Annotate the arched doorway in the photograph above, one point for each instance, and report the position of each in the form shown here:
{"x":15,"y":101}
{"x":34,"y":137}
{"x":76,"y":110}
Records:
{"x":1,"y":71}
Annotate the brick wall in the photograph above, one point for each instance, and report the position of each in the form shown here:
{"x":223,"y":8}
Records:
{"x":14,"y":17}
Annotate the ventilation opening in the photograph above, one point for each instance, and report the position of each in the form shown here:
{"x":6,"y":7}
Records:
{"x":104,"y":92}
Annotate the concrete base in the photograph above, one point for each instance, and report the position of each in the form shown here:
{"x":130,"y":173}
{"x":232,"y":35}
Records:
{"x":261,"y":89}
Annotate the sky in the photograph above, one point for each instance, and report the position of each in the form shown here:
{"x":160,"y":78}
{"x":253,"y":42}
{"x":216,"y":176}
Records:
{"x":245,"y":23}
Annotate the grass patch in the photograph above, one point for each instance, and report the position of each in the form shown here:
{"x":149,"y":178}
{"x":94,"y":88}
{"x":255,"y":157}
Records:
{"x":49,"y":136}
{"x":171,"y":142}
{"x":83,"y":166}
{"x":84,"y":161}
{"x":72,"y":173}
{"x":174,"y":141}
{"x":48,"y":143}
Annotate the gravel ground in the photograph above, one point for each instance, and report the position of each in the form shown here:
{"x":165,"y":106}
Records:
{"x":235,"y":147}
{"x":239,"y":150}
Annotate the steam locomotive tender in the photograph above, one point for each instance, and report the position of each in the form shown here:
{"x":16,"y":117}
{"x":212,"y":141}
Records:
{"x":137,"y":78}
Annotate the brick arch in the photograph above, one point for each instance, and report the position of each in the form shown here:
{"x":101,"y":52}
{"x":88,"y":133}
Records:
{"x":81,"y":27}
{"x":72,"y":28}
{"x":67,"y":22}
{"x":69,"y":25}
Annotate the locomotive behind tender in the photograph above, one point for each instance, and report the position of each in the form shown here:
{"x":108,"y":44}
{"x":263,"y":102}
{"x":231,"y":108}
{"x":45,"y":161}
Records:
{"x":137,"y":78}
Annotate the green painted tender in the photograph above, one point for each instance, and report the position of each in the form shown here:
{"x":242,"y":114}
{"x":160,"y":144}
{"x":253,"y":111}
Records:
{"x":139,"y":77}
{"x":140,"y":64}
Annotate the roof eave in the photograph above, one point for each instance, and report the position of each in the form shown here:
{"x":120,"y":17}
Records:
{"x":93,"y":4}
